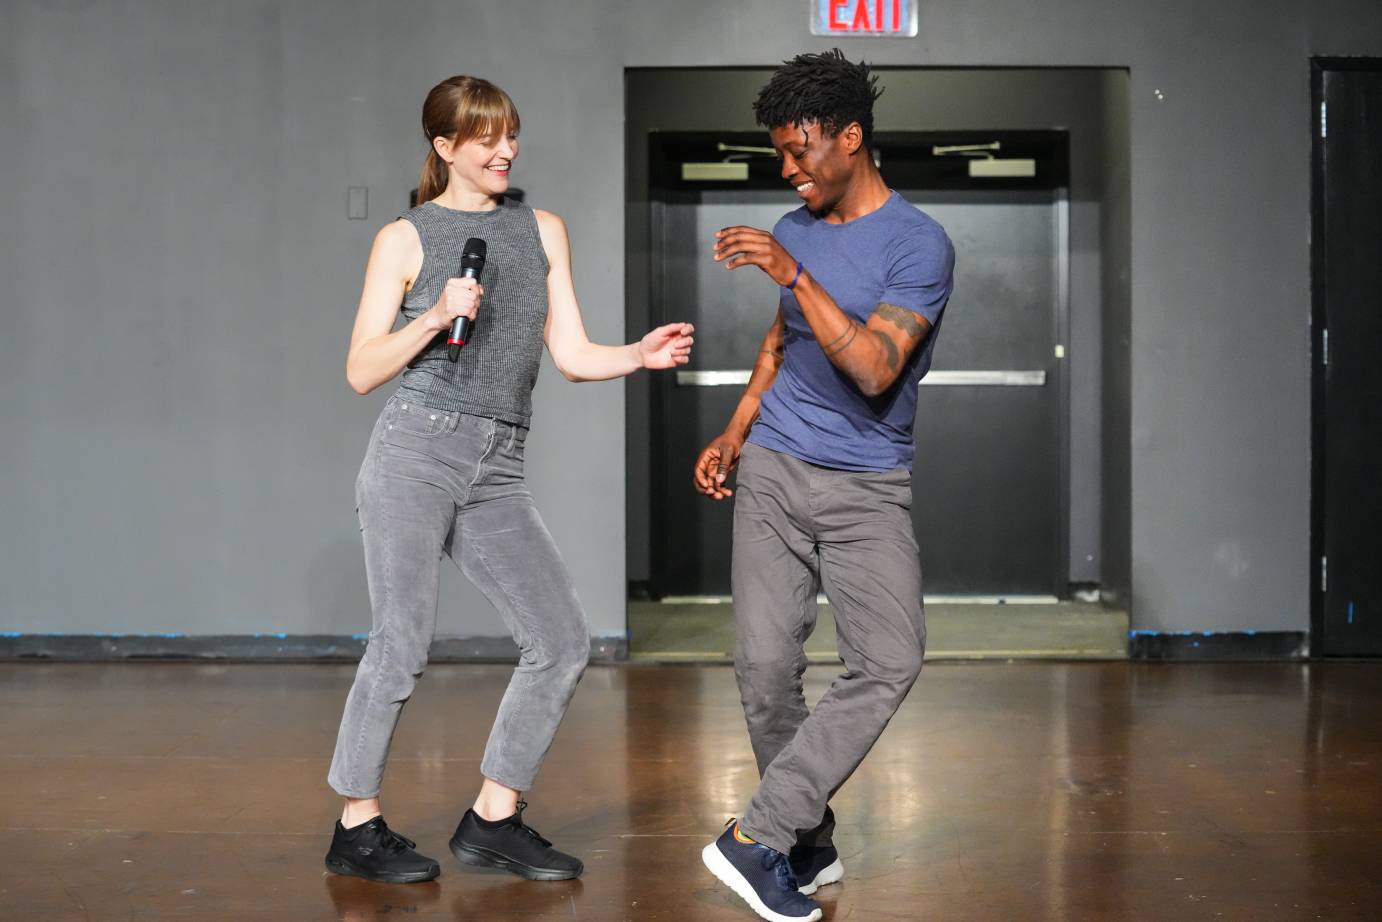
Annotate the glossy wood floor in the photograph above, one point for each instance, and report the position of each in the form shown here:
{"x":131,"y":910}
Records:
{"x":1013,"y":792}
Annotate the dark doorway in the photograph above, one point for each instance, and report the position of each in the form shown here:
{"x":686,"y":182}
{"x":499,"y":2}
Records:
{"x":989,"y":504}
{"x":1050,"y":249}
{"x":1347,"y":293}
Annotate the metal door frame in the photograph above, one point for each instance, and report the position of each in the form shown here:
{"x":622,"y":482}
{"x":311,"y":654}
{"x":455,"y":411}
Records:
{"x":1060,"y":365}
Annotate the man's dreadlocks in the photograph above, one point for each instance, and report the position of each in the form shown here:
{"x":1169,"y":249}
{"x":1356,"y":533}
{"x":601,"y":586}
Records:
{"x":823,"y":88}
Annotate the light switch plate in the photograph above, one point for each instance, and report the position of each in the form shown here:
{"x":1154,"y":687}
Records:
{"x":357,"y":202}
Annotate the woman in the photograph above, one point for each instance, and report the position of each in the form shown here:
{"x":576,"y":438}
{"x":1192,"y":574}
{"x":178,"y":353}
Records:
{"x":443,"y":474}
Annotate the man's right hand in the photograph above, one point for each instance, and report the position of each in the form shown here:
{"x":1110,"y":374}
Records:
{"x":713,"y":466}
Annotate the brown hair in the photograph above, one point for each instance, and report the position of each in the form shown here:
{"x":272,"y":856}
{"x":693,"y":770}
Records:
{"x":462,"y":109}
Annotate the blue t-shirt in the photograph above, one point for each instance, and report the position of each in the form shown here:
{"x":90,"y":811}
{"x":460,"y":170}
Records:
{"x":814,"y":412}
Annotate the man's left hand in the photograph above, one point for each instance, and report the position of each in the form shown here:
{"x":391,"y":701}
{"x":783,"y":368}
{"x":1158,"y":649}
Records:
{"x":749,"y":246}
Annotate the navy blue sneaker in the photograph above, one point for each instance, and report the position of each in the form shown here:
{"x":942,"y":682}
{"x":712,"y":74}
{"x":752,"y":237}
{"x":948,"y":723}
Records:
{"x":815,"y":867}
{"x":761,"y":876}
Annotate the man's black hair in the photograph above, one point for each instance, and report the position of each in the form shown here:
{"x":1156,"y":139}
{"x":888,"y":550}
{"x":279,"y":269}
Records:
{"x":823,"y":88}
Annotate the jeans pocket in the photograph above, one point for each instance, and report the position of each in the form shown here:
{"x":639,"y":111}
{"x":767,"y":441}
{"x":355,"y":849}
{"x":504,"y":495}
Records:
{"x":402,"y":417}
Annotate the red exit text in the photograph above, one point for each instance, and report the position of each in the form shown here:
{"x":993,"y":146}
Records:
{"x":892,"y":18}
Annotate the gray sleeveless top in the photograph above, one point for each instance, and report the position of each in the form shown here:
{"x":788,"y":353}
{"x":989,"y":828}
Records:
{"x":498,"y":365}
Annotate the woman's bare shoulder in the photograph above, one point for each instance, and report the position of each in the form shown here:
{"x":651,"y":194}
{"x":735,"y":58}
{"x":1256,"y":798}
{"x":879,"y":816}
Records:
{"x":398,"y":235}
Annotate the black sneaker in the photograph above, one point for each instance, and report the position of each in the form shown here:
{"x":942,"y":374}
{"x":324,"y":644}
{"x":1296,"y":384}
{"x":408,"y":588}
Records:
{"x":815,"y":867}
{"x":761,"y":876}
{"x":374,"y":851}
{"x":511,"y":845}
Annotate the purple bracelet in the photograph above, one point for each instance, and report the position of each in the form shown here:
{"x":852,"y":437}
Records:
{"x":791,"y":286}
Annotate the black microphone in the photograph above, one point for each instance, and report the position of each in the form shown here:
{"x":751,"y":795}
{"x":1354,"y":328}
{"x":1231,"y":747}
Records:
{"x":472,"y":264}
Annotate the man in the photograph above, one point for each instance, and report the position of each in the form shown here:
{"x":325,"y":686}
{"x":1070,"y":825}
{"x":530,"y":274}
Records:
{"x":823,"y":441}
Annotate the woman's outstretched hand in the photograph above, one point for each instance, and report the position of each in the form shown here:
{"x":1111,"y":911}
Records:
{"x":667,"y":346}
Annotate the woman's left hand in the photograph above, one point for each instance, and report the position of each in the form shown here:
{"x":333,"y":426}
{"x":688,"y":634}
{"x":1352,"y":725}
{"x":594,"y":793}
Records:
{"x":667,"y":346}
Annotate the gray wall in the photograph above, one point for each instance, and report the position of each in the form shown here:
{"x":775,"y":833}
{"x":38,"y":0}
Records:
{"x":179,"y":278}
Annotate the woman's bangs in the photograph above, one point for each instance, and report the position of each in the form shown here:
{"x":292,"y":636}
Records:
{"x":486,"y":116}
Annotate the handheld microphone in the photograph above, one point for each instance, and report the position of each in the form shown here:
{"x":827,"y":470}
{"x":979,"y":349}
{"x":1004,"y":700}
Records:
{"x":472,"y":264}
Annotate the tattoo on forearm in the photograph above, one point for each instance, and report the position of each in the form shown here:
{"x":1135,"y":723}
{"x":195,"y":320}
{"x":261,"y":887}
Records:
{"x":890,"y":353}
{"x":903,"y":319}
{"x":840,"y":343}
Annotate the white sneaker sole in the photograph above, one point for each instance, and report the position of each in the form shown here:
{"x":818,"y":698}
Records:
{"x":719,"y":865}
{"x":831,"y":875}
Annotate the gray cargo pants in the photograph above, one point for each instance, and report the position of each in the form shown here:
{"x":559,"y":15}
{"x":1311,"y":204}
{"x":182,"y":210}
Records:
{"x":797,"y":527}
{"x":436,"y":483}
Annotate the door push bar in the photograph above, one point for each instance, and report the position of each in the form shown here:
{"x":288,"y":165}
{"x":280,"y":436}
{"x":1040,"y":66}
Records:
{"x":935,"y":378}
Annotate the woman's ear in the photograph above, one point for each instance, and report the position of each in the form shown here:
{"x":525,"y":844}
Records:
{"x":444,"y":148}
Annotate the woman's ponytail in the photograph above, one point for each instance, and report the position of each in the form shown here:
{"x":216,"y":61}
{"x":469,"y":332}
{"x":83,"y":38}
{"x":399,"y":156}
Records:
{"x":434,"y":177}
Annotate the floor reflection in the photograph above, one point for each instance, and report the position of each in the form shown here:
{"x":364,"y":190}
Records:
{"x":1031,"y":791}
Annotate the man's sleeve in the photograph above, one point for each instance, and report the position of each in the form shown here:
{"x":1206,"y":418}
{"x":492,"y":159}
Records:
{"x":921,"y":273}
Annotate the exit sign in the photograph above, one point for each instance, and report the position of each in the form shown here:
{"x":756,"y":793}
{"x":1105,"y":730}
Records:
{"x":865,"y":18}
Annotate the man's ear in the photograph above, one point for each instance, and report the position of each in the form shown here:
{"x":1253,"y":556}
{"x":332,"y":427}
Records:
{"x":852,"y":137}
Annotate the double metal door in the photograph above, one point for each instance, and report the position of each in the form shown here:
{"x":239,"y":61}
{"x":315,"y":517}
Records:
{"x":987,"y":483}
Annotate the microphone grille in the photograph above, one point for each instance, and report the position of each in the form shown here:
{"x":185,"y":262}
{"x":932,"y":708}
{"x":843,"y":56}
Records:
{"x":475,"y":248}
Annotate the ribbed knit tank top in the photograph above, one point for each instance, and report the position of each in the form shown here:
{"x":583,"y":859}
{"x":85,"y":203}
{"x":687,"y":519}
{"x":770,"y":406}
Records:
{"x":498,"y":366}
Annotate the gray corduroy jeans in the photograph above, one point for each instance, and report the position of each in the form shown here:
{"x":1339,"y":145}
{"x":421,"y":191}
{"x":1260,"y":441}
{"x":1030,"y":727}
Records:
{"x":433,"y":483}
